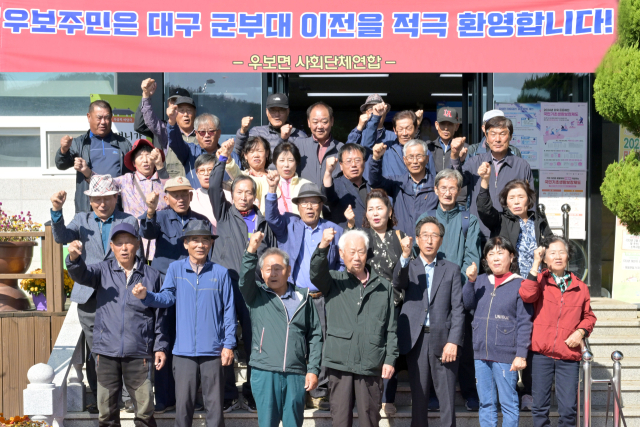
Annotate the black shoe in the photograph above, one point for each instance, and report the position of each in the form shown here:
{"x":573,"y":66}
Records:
{"x":92,"y":409}
{"x":231,"y":405}
{"x":198,"y":407}
{"x":128,"y":407}
{"x":250,"y":404}
{"x":161,"y":409}
{"x":434,"y":404}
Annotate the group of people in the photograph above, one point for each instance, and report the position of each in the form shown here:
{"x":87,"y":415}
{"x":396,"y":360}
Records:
{"x":343,"y":264}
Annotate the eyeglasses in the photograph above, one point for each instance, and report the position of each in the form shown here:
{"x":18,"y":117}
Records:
{"x":449,"y":190}
{"x":211,"y":132}
{"x":417,"y":157}
{"x":429,"y":236}
{"x":356,"y":161}
{"x":309,"y":204}
{"x":204,"y":172}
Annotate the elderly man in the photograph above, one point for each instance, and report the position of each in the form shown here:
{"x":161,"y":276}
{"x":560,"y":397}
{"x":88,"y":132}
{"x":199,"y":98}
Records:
{"x":92,"y":229}
{"x":101,"y":149}
{"x":481,"y":147}
{"x":461,"y":246}
{"x":405,"y":127}
{"x":129,"y":331}
{"x":361,"y":345}
{"x":166,"y":227}
{"x":431,"y":323}
{"x":349,"y":189}
{"x":207,"y":128}
{"x":237,"y":220}
{"x":278,"y":130}
{"x":447,"y":125}
{"x":280,"y":374}
{"x":147,"y":123}
{"x":320,"y":146}
{"x":504,"y":165}
{"x":299,"y":236}
{"x":366,"y":110}
{"x":202,"y":295}
{"x":413,"y":192}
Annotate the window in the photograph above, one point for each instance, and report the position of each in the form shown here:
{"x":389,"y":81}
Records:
{"x":51,"y":94}
{"x":20,"y":148}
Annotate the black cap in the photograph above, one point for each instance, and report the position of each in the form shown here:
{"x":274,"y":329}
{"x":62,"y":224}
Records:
{"x":309,"y":190}
{"x":174,"y":93}
{"x":123,"y":227}
{"x":448,"y":114}
{"x":278,"y":100}
{"x":198,"y":227}
{"x":185,"y":100}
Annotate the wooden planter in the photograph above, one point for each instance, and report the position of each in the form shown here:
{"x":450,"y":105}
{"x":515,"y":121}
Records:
{"x":15,"y":258}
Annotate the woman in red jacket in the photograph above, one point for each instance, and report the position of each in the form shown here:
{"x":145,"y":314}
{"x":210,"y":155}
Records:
{"x":562,"y":318}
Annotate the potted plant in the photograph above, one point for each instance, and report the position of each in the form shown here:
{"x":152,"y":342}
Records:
{"x":15,"y":258}
{"x":621,"y":191}
{"x":38,"y":289}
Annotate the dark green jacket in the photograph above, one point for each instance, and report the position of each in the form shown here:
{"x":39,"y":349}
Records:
{"x":280,"y":344}
{"x":361,"y":321}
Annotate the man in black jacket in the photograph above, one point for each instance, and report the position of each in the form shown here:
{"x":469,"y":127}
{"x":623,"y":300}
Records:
{"x":431,"y":323}
{"x":102,"y":150}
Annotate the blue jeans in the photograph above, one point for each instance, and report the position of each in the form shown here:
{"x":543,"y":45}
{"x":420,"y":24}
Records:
{"x":490,"y":375}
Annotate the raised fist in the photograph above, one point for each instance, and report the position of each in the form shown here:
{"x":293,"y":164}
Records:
{"x":139,"y":291}
{"x":379,"y":150}
{"x":327,"y":237}
{"x":58,"y":199}
{"x":172,"y":114}
{"x":156,"y":158}
{"x":380,"y":109}
{"x":81,"y":166}
{"x":472,"y":272}
{"x":149,"y":87}
{"x":226,"y":148}
{"x":75,"y":249}
{"x":407,"y":246}
{"x":419,"y":115}
{"x":484,"y":171}
{"x":285,"y":131}
{"x":273,"y":179}
{"x":538,"y":254}
{"x":152,"y":202}
{"x":456,"y":146}
{"x":245,"y":123}
{"x":254,"y":242}
{"x":332,"y":163}
{"x":350,"y":215}
{"x":65,"y":144}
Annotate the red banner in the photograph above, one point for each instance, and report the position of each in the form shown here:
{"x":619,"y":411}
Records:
{"x":294,"y":36}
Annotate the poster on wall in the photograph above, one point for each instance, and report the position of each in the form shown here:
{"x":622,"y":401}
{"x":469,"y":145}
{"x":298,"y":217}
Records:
{"x":564,"y":135}
{"x":526,"y":129}
{"x":124,"y":109}
{"x":626,"y":258}
{"x":558,"y":188}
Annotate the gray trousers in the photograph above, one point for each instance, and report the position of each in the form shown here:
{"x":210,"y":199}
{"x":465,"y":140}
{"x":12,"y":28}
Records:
{"x":188,"y":372}
{"x":323,"y":380}
{"x":425,"y":367}
{"x":367,"y":389}
{"x":135,"y":373}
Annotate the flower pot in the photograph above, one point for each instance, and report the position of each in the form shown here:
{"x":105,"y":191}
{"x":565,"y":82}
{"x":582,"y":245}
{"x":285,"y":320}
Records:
{"x":15,"y":258}
{"x":40,"y":302}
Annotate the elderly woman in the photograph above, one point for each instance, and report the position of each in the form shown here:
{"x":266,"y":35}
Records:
{"x":256,"y":157}
{"x":519,"y":222}
{"x":562,"y":318}
{"x":286,"y":158}
{"x":501,"y":331}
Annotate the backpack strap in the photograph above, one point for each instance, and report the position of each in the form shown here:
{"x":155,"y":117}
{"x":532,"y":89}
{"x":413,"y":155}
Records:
{"x":465,"y":223}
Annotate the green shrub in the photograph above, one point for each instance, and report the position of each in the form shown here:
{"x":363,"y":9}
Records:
{"x":629,"y":22}
{"x":621,"y":191}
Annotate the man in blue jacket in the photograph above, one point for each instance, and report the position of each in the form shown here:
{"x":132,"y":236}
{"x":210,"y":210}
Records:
{"x":289,"y":331}
{"x":127,"y":332}
{"x":206,"y":324}
{"x":412,"y":193}
{"x":299,"y":236}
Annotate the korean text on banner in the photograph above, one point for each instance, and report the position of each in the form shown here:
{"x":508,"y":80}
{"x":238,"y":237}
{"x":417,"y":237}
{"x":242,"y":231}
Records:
{"x":560,"y":187}
{"x":526,"y":130}
{"x":564,"y":135}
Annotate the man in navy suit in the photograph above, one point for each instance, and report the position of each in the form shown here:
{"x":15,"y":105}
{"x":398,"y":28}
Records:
{"x":431,"y":323}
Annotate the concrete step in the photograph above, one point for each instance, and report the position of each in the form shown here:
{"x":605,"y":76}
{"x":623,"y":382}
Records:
{"x":605,"y":308}
{"x":603,"y":346}
{"x":315,"y":418}
{"x":615,"y":327}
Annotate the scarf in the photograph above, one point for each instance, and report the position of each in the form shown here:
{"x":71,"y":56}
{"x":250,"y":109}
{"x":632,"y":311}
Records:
{"x":562,"y":282}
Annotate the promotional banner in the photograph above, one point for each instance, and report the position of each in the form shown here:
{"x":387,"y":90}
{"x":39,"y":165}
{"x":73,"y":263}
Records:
{"x":558,"y":188}
{"x":626,"y":259}
{"x":564,"y":135}
{"x":124,"y":110}
{"x":526,"y":129}
{"x":292,"y":36}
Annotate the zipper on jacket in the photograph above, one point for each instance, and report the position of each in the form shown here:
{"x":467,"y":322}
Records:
{"x":195,"y":333}
{"x":558,"y":324}
{"x":261,"y":338}
{"x":126,"y":292}
{"x":486,"y":335}
{"x":286,"y":340}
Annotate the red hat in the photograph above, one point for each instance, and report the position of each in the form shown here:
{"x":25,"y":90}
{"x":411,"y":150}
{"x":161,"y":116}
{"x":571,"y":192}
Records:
{"x":128,"y":158}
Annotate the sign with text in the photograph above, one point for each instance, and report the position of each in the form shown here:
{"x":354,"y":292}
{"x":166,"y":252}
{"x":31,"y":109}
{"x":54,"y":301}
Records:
{"x":339,"y":36}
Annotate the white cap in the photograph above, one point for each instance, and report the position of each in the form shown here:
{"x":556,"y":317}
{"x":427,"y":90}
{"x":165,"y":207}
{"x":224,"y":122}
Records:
{"x":491,"y":114}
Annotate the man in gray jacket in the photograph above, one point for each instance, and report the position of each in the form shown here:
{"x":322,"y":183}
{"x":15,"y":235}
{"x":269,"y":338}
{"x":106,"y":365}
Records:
{"x":278,"y":130}
{"x":102,"y":149}
{"x":92,"y":229}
